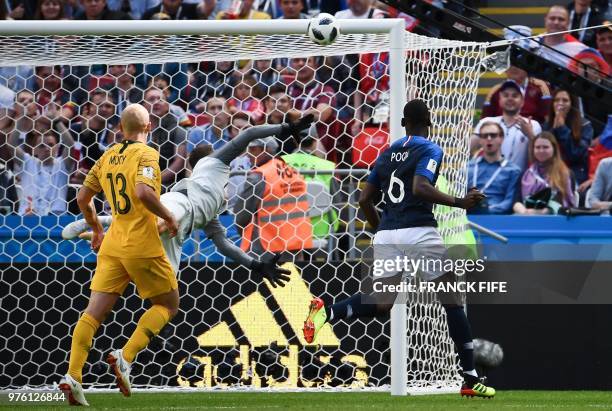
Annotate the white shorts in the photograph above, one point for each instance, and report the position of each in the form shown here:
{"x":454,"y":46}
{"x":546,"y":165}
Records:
{"x":182,"y":209}
{"x":415,"y":243}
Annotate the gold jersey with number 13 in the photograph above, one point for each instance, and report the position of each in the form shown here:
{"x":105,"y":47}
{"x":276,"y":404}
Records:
{"x":133,"y":232}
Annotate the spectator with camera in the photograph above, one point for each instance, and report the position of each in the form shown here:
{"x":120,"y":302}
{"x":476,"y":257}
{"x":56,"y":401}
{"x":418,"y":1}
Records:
{"x":492,"y":174}
{"x":547,"y":184}
{"x":49,"y":93}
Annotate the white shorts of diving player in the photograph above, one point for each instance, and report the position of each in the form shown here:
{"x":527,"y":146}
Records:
{"x":205,"y":200}
{"x":409,"y":244}
{"x":182,"y":209}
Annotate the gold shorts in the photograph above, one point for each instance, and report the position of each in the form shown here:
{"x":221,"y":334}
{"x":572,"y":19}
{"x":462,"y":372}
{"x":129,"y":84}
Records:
{"x":152,"y":276}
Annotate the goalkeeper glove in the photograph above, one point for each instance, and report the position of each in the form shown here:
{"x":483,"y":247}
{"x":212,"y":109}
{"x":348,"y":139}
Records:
{"x":293,"y":129}
{"x":270,"y":270}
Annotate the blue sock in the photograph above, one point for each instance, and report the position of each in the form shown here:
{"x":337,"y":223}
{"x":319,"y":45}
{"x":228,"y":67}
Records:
{"x":461,"y":333}
{"x":352,"y":307}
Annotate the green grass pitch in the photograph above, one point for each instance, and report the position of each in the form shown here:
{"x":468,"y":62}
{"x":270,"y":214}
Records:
{"x":336,"y":401}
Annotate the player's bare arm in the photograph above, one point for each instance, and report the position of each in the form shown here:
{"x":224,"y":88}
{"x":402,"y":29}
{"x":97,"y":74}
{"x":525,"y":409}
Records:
{"x":149,"y":198}
{"x":368,"y":196}
{"x":422,"y":188}
{"x":84,"y":200}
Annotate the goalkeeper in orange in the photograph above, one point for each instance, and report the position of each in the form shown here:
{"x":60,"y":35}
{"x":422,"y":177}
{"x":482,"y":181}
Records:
{"x":131,"y":250}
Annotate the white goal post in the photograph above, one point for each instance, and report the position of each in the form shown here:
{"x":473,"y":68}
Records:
{"x":444,"y":73}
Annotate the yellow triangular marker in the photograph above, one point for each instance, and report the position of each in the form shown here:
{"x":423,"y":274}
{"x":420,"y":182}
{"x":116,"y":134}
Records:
{"x":219,"y":335}
{"x":257,"y":322}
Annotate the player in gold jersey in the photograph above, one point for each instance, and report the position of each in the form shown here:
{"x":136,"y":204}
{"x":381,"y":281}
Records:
{"x":131,"y":250}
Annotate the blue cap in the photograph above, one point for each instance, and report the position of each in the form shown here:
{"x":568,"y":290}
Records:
{"x":511,"y":84}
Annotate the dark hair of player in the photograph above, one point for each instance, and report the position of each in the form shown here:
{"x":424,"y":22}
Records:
{"x":201,"y":151}
{"x":416,"y":113}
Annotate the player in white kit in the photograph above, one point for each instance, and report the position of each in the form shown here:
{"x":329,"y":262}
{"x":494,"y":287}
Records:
{"x":197,"y":201}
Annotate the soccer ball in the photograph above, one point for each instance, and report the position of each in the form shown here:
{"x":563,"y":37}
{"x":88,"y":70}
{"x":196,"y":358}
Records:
{"x":323,"y":29}
{"x":487,"y":354}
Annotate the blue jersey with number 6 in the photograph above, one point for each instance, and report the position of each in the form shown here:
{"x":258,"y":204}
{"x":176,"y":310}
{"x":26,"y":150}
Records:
{"x":393,"y":174}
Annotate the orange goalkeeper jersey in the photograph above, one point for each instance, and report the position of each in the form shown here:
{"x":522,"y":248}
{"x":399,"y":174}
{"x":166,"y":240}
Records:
{"x":133,"y":232}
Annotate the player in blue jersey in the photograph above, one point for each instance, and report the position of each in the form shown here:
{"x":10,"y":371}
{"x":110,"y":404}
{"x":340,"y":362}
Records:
{"x":406,"y":175}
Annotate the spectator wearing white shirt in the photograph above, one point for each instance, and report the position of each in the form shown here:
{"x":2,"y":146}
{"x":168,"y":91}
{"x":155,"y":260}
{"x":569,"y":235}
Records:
{"x":44,"y":174}
{"x":360,"y":9}
{"x":518,"y":130}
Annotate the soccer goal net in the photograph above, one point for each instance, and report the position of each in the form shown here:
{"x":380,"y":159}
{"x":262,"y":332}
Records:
{"x":64,"y":86}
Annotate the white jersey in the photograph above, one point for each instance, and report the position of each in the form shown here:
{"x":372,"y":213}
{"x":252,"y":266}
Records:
{"x":206,"y":189}
{"x":204,"y":201}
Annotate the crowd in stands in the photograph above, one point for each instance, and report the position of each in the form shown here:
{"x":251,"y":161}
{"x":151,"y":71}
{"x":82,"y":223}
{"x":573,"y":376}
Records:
{"x":549,"y":141}
{"x":534,"y":150}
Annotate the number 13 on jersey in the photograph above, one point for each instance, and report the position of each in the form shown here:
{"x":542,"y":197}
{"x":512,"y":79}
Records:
{"x":121,"y":201}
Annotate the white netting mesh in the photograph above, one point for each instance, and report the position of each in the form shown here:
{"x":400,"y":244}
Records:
{"x":204,"y":89}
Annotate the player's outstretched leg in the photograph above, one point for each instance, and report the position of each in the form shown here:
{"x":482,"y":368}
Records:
{"x":461,"y":334}
{"x":353,"y":307}
{"x":317,"y":317}
{"x":74,"y":229}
